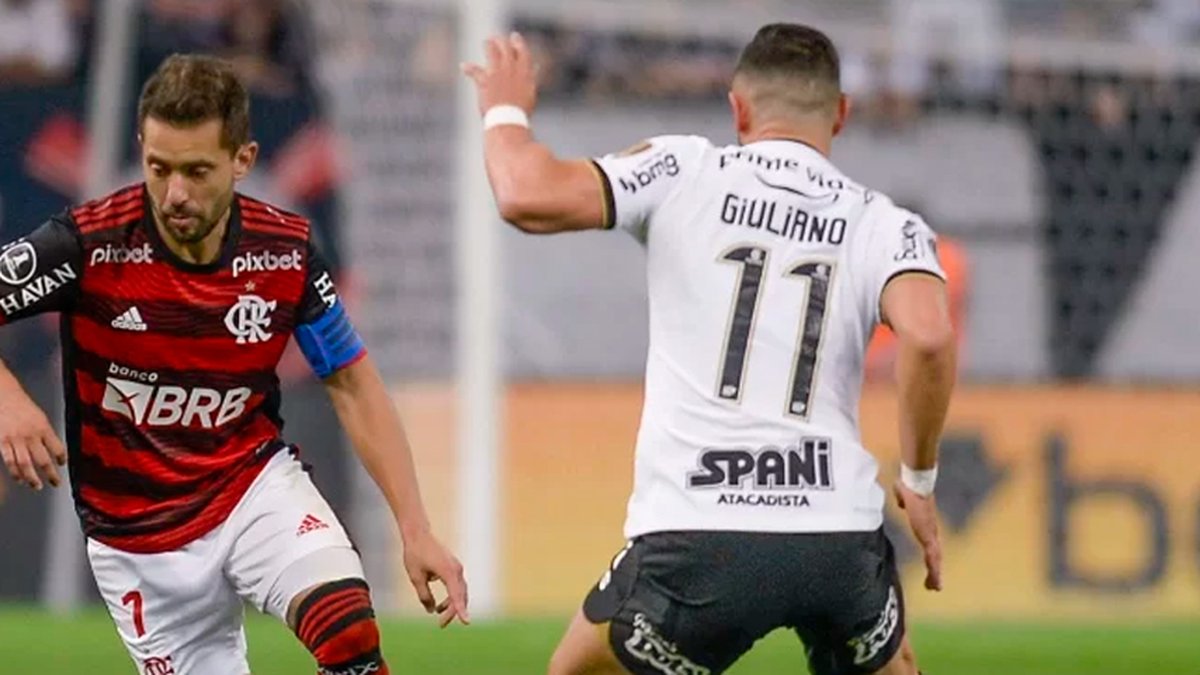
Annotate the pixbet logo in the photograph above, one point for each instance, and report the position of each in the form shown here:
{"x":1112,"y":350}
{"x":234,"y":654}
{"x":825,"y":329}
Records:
{"x":266,"y":261}
{"x":110,"y":255}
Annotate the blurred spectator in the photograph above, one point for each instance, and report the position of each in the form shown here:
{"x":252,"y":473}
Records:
{"x":928,"y":32}
{"x":38,"y":44}
{"x":1167,"y":23}
{"x":262,"y":40}
{"x":183,"y":25}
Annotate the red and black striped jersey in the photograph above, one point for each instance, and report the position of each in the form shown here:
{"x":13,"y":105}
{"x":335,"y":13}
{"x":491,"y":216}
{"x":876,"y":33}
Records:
{"x":172,"y":397}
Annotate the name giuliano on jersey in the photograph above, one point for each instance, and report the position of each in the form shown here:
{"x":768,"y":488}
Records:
{"x":765,"y":269}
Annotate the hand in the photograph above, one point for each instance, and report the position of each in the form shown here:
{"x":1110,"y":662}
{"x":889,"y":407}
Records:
{"x":426,"y":561}
{"x":28,"y":442}
{"x":510,"y":77}
{"x":922,"y":518}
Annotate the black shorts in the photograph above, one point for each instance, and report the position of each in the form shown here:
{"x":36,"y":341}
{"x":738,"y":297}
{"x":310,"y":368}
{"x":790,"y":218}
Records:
{"x":691,"y":603}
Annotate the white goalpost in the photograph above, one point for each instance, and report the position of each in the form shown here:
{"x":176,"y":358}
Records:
{"x":478,"y":371}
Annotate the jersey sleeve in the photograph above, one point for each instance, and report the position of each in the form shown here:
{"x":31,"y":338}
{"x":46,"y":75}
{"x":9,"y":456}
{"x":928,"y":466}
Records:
{"x":40,"y":272}
{"x":640,"y":179}
{"x":324,"y":332}
{"x":900,"y":242}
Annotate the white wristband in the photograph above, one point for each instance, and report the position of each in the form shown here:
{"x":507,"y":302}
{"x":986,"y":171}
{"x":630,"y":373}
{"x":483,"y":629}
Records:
{"x":920,"y":482}
{"x":505,"y":114}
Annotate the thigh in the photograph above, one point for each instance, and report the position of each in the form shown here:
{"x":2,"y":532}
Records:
{"x":285,"y":539}
{"x":174,"y":611}
{"x":854,"y":625}
{"x":585,"y":650}
{"x":671,"y":607}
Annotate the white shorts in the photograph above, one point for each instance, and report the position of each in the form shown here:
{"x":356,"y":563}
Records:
{"x":180,"y":612}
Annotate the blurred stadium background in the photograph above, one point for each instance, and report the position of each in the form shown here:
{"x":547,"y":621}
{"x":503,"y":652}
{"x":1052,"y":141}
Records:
{"x":1051,"y":142}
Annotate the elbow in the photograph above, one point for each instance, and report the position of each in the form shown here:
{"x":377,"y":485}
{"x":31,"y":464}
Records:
{"x":521,"y":213}
{"x":932,"y":341}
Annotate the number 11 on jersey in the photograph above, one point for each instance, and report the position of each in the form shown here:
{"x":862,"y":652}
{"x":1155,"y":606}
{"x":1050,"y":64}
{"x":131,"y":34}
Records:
{"x":752,"y":262}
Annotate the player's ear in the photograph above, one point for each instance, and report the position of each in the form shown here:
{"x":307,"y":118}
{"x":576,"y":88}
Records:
{"x":244,"y":159}
{"x":842,"y":114}
{"x":741,"y":113}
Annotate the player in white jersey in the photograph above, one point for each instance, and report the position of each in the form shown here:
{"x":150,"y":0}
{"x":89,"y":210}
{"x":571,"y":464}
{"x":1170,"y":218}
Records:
{"x":755,"y":504}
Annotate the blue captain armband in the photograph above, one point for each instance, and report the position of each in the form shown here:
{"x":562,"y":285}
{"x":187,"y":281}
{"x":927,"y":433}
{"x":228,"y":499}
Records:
{"x":330,"y":343}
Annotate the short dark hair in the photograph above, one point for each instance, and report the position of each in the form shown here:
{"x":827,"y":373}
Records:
{"x":798,"y":53}
{"x":190,"y":89}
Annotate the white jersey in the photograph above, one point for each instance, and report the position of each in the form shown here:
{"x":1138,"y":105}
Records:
{"x":765,"y":268}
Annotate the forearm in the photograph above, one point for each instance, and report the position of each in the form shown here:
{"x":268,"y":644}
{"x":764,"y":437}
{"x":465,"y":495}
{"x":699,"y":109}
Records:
{"x":520,"y":170}
{"x":10,"y":386}
{"x":926,"y":377}
{"x":370,"y":419}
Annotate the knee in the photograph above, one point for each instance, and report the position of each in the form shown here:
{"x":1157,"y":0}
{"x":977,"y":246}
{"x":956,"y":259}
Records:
{"x":905,"y":661}
{"x":337,"y":624}
{"x":561,"y":663}
{"x":567,"y":661}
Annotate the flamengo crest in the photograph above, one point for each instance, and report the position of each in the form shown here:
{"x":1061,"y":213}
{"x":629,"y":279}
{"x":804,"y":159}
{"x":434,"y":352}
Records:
{"x":250,"y":318}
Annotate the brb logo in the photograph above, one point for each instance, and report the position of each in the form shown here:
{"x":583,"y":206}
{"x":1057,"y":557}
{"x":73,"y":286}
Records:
{"x":119,"y":255}
{"x":250,"y":318}
{"x":266,"y":261}
{"x":133,"y":394}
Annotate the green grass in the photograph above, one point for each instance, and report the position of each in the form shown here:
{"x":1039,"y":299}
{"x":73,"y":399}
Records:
{"x":34,"y":642}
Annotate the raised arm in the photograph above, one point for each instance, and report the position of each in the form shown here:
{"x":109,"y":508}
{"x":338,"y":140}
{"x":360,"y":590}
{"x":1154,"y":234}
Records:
{"x":535,"y":190}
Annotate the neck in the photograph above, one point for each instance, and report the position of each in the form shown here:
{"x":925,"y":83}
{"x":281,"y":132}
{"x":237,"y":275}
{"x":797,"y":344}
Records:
{"x":811,"y":135}
{"x":202,"y":252}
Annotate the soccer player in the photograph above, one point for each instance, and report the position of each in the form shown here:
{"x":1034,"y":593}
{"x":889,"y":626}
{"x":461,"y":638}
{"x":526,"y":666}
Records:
{"x":755,"y":505}
{"x":178,"y":296}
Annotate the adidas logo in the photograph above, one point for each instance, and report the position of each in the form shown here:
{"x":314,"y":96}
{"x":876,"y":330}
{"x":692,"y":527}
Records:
{"x":310,"y":523}
{"x":130,"y":320}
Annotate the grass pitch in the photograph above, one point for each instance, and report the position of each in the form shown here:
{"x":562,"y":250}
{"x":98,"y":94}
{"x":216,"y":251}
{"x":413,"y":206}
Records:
{"x":32,"y":641}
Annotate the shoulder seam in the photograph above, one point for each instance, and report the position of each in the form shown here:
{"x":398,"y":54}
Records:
{"x":258,"y":215}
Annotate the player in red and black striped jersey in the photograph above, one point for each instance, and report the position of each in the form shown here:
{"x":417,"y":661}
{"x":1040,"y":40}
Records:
{"x":178,"y":297}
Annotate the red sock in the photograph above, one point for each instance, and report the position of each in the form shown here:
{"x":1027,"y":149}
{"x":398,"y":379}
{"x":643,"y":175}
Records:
{"x":337,"y":624}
